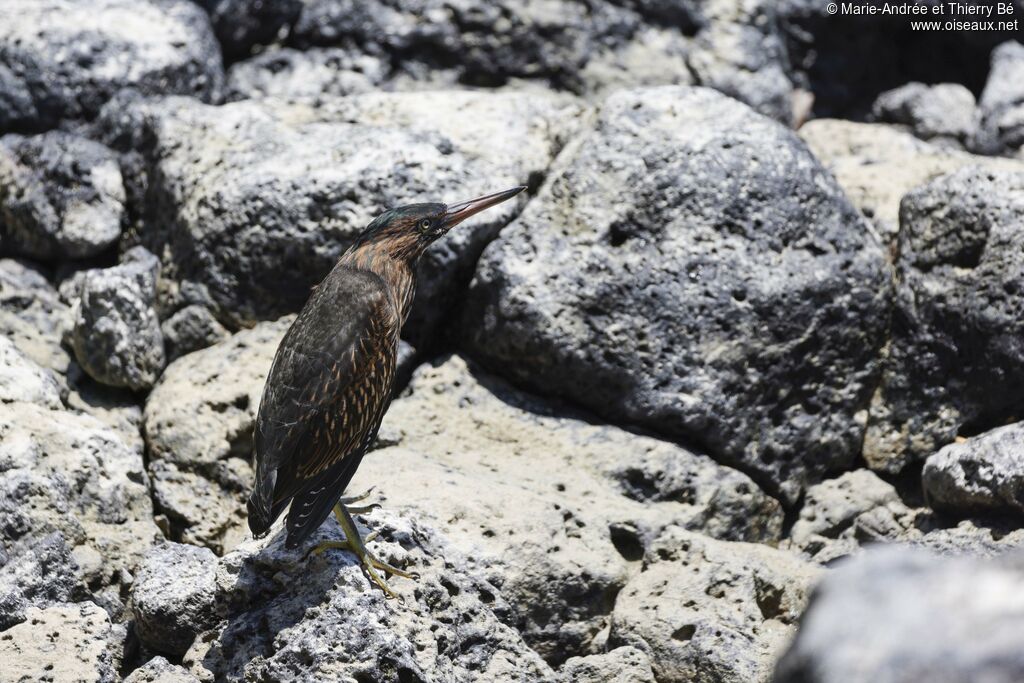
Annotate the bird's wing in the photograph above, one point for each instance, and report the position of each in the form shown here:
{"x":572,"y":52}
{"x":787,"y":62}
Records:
{"x":327,"y":390}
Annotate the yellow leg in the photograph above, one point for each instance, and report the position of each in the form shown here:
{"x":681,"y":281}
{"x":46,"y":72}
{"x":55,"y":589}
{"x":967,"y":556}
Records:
{"x":357,"y":546}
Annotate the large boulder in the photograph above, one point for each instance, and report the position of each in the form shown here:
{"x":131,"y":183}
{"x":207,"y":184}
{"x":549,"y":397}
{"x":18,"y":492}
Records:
{"x":877,"y":164}
{"x":315,"y":73}
{"x":984,"y":472}
{"x":692,"y":268}
{"x":705,"y":610}
{"x":61,"y":196}
{"x":899,"y":615}
{"x":553,"y":510}
{"x":69,"y":488}
{"x":955,"y":362}
{"x":116,"y":335}
{"x":22,"y":380}
{"x":259,"y":199}
{"x":943,"y":113}
{"x":62,"y":59}
{"x":65,"y":643}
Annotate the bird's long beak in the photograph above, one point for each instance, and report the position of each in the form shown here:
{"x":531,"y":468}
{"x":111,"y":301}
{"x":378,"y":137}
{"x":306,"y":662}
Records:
{"x":456,"y":213}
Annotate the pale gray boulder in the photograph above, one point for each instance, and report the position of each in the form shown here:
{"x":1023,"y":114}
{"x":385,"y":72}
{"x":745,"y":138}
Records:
{"x":69,"y":486}
{"x":65,"y":643}
{"x":62,"y":59}
{"x":899,"y":615}
{"x":61,"y":196}
{"x":708,"y":610}
{"x":622,"y":665}
{"x":954,"y":362}
{"x":690,"y":267}
{"x":984,"y":472}
{"x":944,"y":113}
{"x":173,"y":596}
{"x":116,"y":336}
{"x":198,"y":424}
{"x":33,"y":317}
{"x":1002,"y":102}
{"x":23,"y":380}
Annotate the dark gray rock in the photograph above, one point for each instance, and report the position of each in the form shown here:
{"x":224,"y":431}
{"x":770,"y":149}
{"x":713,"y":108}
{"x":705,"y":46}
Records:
{"x":984,"y":472}
{"x":173,"y":596}
{"x":898,"y":615}
{"x":1002,"y":102}
{"x":955,"y":361}
{"x":62,"y":59}
{"x":690,"y":267}
{"x":943,"y":113}
{"x":313,"y":73}
{"x":190,"y":329}
{"x":116,"y":335}
{"x":260,"y":199}
{"x":61,"y":196}
{"x":242,"y":25}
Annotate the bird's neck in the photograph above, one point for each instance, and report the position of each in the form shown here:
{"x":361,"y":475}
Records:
{"x":396,"y":272}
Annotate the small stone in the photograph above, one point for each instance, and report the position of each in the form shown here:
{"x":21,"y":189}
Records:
{"x":984,"y":472}
{"x":190,"y":329}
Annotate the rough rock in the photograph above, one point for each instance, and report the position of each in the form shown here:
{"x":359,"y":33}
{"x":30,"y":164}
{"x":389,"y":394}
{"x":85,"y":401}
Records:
{"x":898,"y":615}
{"x":283,"y":613}
{"x":621,"y":665}
{"x":61,"y":196}
{"x":569,"y":506}
{"x":119,"y":409}
{"x":66,"y":643}
{"x":62,"y":59}
{"x":159,"y":670}
{"x":984,"y":472}
{"x":1002,"y":102}
{"x":708,"y":610}
{"x":877,"y":164}
{"x":33,"y":316}
{"x":198,"y":424}
{"x":954,"y":360}
{"x":263,"y":197}
{"x":190,"y":329}
{"x":22,"y":380}
{"x":840,"y":514}
{"x":658,"y":279}
{"x":173,"y":596}
{"x":67,"y":474}
{"x":41,"y":574}
{"x":242,"y":25}
{"x":943,"y":113}
{"x":314,"y":74}
{"x":116,"y":336}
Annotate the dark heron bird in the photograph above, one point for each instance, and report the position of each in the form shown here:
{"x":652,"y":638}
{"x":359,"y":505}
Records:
{"x":331,"y":380}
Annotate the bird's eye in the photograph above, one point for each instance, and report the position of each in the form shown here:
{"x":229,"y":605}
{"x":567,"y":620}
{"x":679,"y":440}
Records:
{"x":425,"y":224}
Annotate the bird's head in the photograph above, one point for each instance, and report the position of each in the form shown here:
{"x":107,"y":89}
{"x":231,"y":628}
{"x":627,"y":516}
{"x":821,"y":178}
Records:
{"x":406,"y":231}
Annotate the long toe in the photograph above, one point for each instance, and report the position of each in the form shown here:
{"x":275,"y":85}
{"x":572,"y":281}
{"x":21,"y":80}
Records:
{"x":355,"y":499}
{"x":388,"y":569}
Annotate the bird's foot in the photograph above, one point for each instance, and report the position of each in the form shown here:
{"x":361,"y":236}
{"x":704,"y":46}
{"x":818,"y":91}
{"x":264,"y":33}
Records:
{"x":356,"y":545}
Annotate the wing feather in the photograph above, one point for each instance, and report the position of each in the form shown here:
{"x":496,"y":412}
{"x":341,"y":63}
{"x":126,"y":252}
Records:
{"x":325,"y":396}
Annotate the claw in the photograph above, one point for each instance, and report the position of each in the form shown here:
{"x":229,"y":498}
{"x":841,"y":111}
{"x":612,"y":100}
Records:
{"x":357,"y":546}
{"x":355,"y":499}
